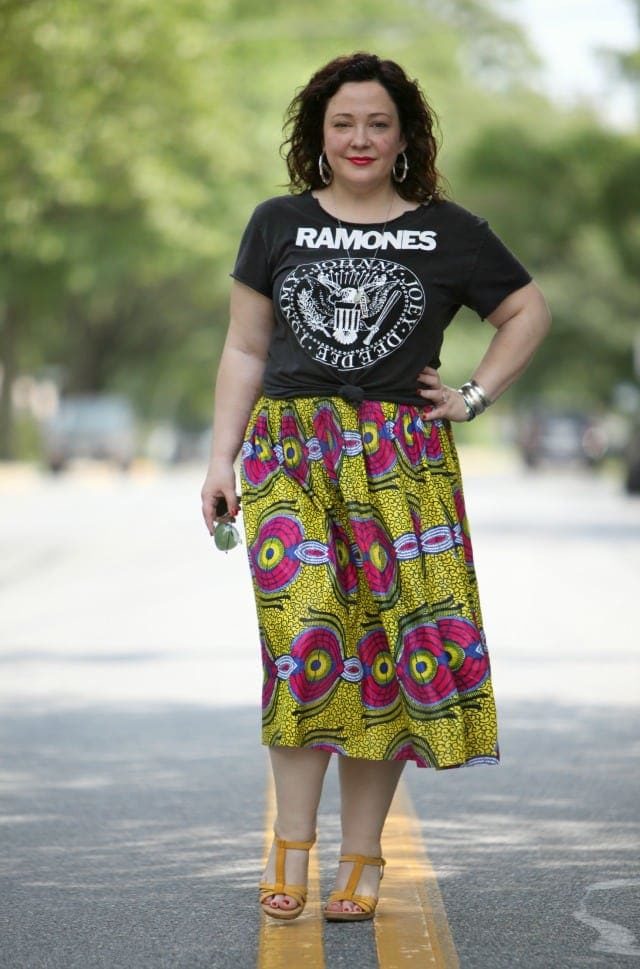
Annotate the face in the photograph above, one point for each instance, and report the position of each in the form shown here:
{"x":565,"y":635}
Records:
{"x":361,"y":131}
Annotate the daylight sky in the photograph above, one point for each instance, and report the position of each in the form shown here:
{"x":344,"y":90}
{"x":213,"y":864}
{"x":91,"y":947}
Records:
{"x":565,"y":33}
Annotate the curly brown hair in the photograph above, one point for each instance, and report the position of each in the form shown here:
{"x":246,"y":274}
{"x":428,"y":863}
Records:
{"x":305,"y":117}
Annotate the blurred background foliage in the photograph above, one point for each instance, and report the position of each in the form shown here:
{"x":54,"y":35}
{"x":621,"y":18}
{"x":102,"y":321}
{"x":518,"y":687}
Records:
{"x":136,"y":137}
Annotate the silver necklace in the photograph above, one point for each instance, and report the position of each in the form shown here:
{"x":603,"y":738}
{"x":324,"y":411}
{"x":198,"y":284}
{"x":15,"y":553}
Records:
{"x":357,"y":291}
{"x":386,"y":221}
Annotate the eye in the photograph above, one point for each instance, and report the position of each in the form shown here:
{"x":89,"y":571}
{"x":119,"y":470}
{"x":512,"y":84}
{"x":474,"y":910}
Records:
{"x":340,"y":124}
{"x":380,"y":124}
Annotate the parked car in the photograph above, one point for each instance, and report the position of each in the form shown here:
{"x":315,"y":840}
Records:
{"x":632,"y":461}
{"x":168,"y":443}
{"x":626,"y":399}
{"x":92,"y":426}
{"x":561,"y":437}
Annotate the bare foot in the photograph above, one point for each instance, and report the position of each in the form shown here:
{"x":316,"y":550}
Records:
{"x":296,"y":865}
{"x":368,"y":884}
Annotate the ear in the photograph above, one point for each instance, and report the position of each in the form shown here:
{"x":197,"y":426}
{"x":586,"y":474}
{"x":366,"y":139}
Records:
{"x":403,"y":144}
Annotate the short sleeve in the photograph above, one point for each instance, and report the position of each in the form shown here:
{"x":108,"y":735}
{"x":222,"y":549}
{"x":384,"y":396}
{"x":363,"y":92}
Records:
{"x":252,"y":265}
{"x":495,"y":274}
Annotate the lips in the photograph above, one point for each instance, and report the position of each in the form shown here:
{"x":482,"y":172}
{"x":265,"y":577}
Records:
{"x":357,"y":160}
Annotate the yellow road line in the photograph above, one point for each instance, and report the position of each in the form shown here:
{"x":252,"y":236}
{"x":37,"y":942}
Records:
{"x":297,"y":943}
{"x":411,"y":926}
{"x":411,"y":923}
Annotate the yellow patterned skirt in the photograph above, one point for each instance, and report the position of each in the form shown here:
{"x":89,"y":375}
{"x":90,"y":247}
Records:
{"x":366,"y":594}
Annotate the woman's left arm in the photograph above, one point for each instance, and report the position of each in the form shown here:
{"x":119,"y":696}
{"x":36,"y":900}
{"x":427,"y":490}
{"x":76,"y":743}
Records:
{"x":521,"y":320}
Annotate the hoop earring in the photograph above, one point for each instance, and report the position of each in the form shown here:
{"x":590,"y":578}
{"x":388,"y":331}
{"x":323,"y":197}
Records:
{"x":405,"y":168}
{"x":326,"y":175}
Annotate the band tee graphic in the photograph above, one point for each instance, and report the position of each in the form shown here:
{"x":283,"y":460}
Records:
{"x":358,"y":310}
{"x":349,"y":313}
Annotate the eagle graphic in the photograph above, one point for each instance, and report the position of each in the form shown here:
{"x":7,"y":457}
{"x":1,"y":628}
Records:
{"x":348,"y":309}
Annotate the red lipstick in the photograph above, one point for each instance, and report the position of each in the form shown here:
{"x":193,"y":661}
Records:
{"x":357,"y":160}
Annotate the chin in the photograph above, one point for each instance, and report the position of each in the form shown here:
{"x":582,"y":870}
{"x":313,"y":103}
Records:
{"x":363,"y":176}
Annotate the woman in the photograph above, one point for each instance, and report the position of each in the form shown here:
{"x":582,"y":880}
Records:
{"x":366,"y":595}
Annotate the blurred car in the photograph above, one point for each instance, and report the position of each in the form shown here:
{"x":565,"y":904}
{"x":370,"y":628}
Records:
{"x":626,"y":399}
{"x":91,"y":426}
{"x":561,"y":437}
{"x":168,"y":443}
{"x":632,"y":462}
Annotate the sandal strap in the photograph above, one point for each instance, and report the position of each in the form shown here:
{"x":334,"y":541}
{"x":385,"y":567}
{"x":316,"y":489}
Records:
{"x":359,"y":861}
{"x":365,"y":859}
{"x":299,"y":892}
{"x":299,"y":845}
{"x":281,"y":849}
{"x":367,"y":903}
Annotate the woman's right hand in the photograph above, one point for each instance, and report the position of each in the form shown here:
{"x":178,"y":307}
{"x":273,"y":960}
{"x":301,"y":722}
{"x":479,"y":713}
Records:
{"x":220,"y":482}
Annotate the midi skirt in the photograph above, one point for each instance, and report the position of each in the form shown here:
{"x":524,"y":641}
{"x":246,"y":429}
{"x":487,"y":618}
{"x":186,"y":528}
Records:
{"x":365,"y":589}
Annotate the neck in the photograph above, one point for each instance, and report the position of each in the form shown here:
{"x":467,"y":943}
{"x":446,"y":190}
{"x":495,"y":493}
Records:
{"x":370,"y":204}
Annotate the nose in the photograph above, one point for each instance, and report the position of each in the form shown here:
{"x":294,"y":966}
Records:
{"x":359,"y":135}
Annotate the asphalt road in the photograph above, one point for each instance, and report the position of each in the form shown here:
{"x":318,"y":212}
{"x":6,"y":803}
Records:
{"x":132,"y":777}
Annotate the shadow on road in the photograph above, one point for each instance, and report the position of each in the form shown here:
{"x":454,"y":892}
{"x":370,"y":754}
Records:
{"x":134,"y":838}
{"x":519,"y":849}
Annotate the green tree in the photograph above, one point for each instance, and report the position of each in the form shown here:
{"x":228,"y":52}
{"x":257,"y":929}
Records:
{"x":551,"y":197}
{"x":135,"y":139}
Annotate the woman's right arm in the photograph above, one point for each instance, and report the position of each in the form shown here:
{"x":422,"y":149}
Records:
{"x":238,"y":385}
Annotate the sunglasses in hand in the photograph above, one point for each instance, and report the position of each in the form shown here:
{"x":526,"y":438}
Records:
{"x":225,"y":535}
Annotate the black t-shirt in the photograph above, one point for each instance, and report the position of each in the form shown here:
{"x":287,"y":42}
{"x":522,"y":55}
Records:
{"x":360,"y":309}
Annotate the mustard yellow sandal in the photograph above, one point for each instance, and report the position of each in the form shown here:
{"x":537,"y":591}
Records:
{"x":298,"y":892}
{"x":348,"y":894}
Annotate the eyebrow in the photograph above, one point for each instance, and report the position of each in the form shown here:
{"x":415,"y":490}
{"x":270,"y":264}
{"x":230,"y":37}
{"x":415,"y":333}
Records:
{"x":372,"y":114}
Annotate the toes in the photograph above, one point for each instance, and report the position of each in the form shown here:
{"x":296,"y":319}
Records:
{"x":351,"y":907}
{"x":345,"y":905}
{"x":282,"y":901}
{"x":274,"y":901}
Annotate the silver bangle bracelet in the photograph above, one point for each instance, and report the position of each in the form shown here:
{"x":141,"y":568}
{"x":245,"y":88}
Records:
{"x":482,"y":392}
{"x":475,"y":398}
{"x":471,"y":411}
